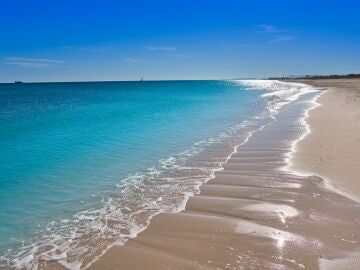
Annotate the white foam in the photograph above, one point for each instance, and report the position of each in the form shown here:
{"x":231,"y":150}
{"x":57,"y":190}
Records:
{"x":281,"y":93}
{"x":63,"y":239}
{"x":141,"y":196}
{"x":289,"y":156}
{"x":293,"y":148}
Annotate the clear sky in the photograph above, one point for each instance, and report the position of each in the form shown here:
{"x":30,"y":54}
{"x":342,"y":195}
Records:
{"x":63,"y":40}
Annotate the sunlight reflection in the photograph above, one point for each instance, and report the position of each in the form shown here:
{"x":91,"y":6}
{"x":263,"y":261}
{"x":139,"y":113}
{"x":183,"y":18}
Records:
{"x":280,"y":241}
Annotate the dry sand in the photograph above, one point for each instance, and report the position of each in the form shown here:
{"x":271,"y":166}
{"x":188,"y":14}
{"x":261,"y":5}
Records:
{"x":253,"y":215}
{"x":332,"y":149}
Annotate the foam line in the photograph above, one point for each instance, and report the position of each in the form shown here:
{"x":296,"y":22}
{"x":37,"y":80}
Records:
{"x":164,"y":188}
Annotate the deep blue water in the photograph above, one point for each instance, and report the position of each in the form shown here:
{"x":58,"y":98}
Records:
{"x":74,"y":154}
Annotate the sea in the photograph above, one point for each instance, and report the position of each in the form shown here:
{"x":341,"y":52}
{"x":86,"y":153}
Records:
{"x":85,"y":166}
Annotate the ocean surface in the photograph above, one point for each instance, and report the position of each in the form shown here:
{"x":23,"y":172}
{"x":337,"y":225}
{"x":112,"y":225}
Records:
{"x":84,"y":166}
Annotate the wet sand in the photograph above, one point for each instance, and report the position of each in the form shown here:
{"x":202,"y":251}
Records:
{"x":251,"y":215}
{"x":332,"y":149}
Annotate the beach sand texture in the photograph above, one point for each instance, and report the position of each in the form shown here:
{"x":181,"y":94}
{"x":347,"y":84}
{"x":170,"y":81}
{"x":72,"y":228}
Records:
{"x":254,"y":215}
{"x":332,"y":149}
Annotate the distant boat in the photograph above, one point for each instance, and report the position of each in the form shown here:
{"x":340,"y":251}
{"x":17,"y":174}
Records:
{"x":18,"y":82}
{"x":142,"y":79}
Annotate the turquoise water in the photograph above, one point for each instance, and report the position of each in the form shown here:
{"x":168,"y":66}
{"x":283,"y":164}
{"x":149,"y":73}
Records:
{"x":88,"y":164}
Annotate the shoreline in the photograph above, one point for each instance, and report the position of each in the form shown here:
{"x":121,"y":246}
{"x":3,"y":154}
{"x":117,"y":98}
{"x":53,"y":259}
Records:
{"x":322,"y":152}
{"x":233,"y":211}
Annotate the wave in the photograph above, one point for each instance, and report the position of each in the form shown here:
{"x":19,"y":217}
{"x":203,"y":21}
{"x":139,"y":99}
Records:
{"x":128,"y":208}
{"x":281,"y":93}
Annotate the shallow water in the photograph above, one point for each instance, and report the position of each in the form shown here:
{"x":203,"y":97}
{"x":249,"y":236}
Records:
{"x":85,"y":165}
{"x":253,"y":214}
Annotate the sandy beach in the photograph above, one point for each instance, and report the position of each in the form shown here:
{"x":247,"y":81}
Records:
{"x":180,"y":135}
{"x":332,"y":149}
{"x":255,"y":215}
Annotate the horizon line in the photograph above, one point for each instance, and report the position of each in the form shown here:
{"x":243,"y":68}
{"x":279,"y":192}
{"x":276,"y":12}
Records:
{"x":152,"y":80}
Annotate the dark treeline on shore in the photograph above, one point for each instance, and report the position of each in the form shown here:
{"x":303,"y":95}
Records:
{"x":348,"y":76}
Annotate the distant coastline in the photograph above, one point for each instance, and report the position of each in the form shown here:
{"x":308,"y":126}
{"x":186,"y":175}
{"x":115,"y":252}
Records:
{"x":318,"y":77}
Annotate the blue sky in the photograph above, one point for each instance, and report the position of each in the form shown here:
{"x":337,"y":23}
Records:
{"x":63,"y":40}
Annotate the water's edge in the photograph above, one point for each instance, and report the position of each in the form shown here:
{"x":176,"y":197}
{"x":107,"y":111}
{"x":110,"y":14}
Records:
{"x":194,"y":184}
{"x":266,"y":214}
{"x":287,"y":157}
